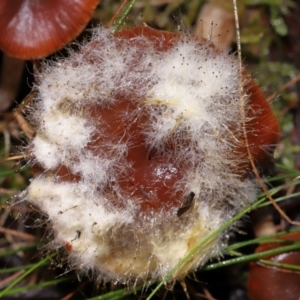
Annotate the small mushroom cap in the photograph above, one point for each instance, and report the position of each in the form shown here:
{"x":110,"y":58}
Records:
{"x":31,"y":29}
{"x":268,"y":282}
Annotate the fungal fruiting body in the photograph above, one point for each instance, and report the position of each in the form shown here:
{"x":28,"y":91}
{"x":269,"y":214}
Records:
{"x":139,"y":151}
{"x":266,"y":282}
{"x":31,"y":29}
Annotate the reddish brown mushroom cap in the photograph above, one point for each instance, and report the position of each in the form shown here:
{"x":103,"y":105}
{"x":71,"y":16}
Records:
{"x":32,"y":29}
{"x":262,"y":126}
{"x":267,"y":282}
{"x":153,"y":176}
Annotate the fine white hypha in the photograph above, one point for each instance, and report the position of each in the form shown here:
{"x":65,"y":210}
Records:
{"x":190,"y":94}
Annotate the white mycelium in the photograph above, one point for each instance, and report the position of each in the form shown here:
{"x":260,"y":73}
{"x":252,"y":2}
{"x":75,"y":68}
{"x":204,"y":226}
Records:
{"x":190,"y":95}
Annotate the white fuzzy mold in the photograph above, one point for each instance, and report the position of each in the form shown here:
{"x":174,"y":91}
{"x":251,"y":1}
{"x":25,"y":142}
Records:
{"x":139,"y":152}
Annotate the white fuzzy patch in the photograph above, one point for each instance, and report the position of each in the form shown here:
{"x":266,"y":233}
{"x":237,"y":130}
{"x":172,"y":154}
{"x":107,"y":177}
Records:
{"x":45,"y":153}
{"x":71,"y":209}
{"x":190,"y":95}
{"x":190,"y":82}
{"x":66,"y":131}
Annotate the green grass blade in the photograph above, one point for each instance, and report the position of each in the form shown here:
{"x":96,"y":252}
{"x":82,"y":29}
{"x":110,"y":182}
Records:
{"x":36,"y":286}
{"x":123,"y":16}
{"x":17,"y":280}
{"x":265,"y":239}
{"x":9,"y":252}
{"x":119,"y":294}
{"x":15,"y":269}
{"x":9,"y":172}
{"x":250,"y":257}
{"x":280,"y":265}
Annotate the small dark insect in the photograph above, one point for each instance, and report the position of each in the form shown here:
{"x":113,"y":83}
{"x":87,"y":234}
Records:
{"x":78,"y":234}
{"x":187,"y":204}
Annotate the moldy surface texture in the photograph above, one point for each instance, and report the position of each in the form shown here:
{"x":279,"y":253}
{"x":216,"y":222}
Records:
{"x":139,"y":151}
